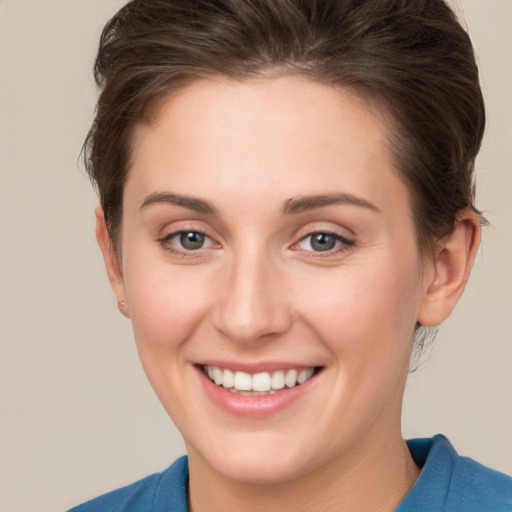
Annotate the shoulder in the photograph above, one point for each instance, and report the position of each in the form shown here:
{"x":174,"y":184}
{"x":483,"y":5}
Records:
{"x":451,"y":483}
{"x":480,"y":487}
{"x":164,"y":491}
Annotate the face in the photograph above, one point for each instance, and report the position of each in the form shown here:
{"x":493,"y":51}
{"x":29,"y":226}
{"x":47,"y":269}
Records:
{"x":268,"y":245}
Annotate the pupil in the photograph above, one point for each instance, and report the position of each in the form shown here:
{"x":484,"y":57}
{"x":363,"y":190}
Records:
{"x":322,"y":242}
{"x":192,"y":240}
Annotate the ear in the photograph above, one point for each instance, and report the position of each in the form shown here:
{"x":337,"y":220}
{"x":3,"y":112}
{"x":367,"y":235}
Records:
{"x":112,"y":264}
{"x":452,"y":267}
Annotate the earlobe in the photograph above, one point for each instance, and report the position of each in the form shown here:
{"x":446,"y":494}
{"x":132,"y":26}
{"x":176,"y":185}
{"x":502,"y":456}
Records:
{"x":112,"y":264}
{"x":452,"y":267}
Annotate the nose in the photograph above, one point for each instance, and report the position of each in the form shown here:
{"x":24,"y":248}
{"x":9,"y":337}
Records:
{"x":252,"y":304}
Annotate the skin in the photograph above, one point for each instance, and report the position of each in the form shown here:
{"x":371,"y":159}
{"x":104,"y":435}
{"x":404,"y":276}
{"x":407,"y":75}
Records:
{"x":257,"y":291}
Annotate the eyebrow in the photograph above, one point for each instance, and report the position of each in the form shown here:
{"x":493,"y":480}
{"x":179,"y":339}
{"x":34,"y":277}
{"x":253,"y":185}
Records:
{"x":192,"y":203}
{"x":306,"y":203}
{"x":292,"y":206}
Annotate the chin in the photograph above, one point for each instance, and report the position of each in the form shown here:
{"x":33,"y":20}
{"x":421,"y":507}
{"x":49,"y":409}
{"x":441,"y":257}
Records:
{"x":256,"y":461}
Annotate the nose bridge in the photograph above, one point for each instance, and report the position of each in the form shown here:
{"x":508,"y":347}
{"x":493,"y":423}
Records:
{"x":252,"y":305}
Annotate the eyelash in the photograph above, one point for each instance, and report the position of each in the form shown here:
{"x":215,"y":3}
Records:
{"x":166,"y":242}
{"x":343,"y":243}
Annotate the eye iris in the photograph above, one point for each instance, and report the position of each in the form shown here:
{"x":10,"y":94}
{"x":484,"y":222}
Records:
{"x":323,"y":242}
{"x":192,"y":240}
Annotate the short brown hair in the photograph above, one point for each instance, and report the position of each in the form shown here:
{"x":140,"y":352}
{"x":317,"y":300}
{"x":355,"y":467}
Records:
{"x":410,"y":57}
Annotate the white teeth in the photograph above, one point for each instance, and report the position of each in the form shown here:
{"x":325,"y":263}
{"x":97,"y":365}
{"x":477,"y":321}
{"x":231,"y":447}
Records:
{"x":304,"y":375}
{"x":291,"y":378}
{"x":259,"y":382}
{"x":217,"y":376}
{"x":242,"y":382}
{"x":228,"y":380}
{"x":278,"y":380}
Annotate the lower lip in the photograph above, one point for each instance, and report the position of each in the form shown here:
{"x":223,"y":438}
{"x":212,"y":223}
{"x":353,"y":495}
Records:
{"x":256,"y":405}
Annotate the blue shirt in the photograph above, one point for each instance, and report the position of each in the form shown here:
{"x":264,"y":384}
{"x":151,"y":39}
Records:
{"x":447,"y":483}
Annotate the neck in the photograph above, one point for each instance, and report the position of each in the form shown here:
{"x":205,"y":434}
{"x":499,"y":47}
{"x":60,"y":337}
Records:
{"x":374,"y":476}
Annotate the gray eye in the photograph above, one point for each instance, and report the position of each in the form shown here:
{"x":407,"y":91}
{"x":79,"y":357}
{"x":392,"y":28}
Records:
{"x":322,"y":242}
{"x":191,"y":240}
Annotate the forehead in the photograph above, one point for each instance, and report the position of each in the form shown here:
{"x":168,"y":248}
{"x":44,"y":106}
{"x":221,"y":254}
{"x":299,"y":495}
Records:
{"x":245,"y":137}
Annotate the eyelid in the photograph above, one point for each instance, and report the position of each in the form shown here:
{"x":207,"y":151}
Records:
{"x":166,"y":241}
{"x":168,"y":230}
{"x":179,"y":232}
{"x":342,"y":242}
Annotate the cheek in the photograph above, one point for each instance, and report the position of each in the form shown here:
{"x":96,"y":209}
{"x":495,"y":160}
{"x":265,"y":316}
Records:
{"x":368,"y":310}
{"x":166,"y":302}
{"x":167,"y":306}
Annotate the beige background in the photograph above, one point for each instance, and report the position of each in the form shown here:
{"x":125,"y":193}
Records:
{"x":77,"y":416}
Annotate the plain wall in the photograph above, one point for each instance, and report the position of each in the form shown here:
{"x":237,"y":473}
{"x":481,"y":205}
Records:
{"x":77,"y":416}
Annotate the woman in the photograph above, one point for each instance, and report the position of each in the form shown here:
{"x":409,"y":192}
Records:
{"x":286,"y":203}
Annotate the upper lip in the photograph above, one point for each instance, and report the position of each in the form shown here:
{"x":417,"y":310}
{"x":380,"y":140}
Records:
{"x":256,"y":367}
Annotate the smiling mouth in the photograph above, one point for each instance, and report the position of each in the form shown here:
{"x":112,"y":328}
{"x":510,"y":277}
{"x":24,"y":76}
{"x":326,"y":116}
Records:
{"x":264,"y":383}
